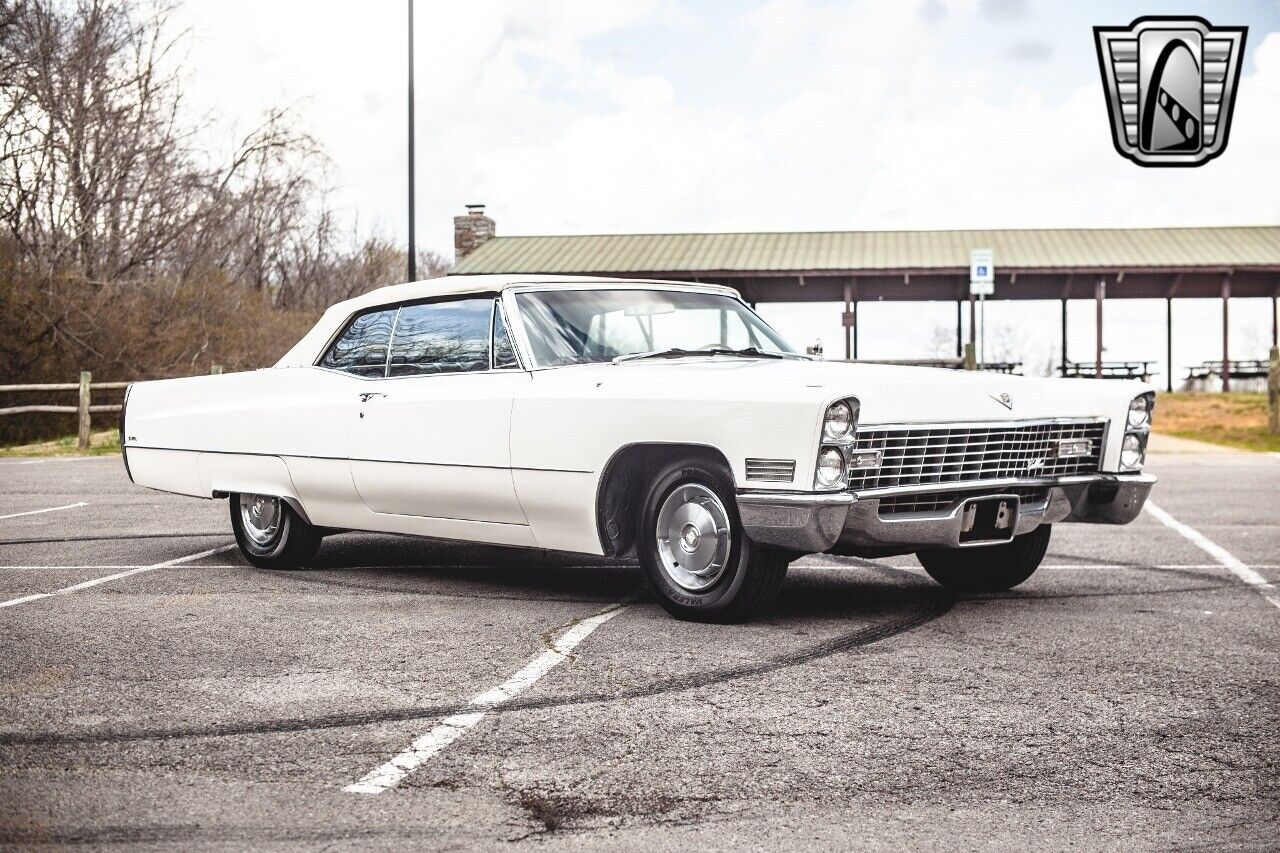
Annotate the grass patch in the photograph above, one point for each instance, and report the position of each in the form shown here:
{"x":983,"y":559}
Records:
{"x":1236,"y":419}
{"x":103,"y":443}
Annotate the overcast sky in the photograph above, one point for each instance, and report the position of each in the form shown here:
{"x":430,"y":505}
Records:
{"x":657,"y":115}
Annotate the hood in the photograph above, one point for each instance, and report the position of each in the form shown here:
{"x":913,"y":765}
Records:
{"x":887,"y":393}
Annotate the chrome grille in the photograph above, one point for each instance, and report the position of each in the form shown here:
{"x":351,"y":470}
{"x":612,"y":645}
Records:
{"x":942,"y":501}
{"x":771,"y":470}
{"x":928,"y":455}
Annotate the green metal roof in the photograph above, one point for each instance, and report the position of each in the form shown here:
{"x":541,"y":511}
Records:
{"x":1039,"y":249}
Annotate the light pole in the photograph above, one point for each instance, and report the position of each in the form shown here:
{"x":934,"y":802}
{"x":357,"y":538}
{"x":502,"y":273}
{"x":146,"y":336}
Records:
{"x":413,"y":243}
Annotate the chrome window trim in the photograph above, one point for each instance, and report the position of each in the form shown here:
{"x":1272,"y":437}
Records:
{"x":410,"y":376}
{"x":493,"y":310}
{"x":391,"y":342}
{"x":499,"y":314}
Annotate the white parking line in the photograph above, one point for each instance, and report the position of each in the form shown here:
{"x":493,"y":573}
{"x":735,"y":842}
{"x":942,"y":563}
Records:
{"x":1265,"y":588}
{"x":139,"y":570}
{"x":841,"y":567}
{"x":59,"y":459}
{"x":3,"y":567}
{"x":47,"y":509}
{"x":1133,"y":566}
{"x":451,"y":728}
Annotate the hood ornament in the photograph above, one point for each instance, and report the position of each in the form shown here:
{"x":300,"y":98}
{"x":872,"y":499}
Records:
{"x":1004,"y":400}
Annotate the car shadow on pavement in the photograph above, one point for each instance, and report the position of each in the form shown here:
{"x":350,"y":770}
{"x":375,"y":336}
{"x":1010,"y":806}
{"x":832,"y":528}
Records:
{"x":858,"y":590}
{"x":415,"y":565}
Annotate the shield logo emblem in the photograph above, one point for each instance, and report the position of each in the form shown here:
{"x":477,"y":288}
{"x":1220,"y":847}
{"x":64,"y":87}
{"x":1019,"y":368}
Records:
{"x":1170,"y":84}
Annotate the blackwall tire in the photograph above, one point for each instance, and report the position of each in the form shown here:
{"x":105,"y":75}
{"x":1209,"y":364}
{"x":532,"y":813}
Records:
{"x":700,"y":573}
{"x":270,"y":534}
{"x":989,"y":568}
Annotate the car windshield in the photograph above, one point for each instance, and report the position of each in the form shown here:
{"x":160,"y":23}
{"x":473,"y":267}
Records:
{"x":586,"y":326}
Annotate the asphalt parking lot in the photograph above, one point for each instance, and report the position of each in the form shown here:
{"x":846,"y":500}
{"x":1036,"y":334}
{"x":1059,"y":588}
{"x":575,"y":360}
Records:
{"x":1126,"y":697}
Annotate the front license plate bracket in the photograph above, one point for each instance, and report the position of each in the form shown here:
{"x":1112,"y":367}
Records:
{"x":991,"y":519}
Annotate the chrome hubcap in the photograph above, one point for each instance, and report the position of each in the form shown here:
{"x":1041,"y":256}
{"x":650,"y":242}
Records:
{"x":260,"y":517}
{"x":693,"y":537}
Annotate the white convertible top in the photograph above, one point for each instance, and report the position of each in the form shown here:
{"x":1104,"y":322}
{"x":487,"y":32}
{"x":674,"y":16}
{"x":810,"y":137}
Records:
{"x":305,"y":351}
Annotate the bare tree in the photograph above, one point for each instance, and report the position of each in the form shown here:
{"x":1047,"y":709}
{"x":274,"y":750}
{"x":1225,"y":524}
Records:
{"x":129,"y":247}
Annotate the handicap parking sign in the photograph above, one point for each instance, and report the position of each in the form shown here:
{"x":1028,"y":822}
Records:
{"x":982,"y":266}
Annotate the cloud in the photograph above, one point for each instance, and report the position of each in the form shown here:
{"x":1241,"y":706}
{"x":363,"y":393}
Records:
{"x":1029,"y":50}
{"x":827,"y":122}
{"x":932,"y":11}
{"x":1005,"y":10}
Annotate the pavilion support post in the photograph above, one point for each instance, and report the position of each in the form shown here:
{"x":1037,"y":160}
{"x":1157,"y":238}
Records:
{"x":1099,"y":294}
{"x":960,"y":329}
{"x":847,"y":320}
{"x":1168,"y":340}
{"x":1226,"y":336}
{"x":1064,"y":336}
{"x":855,"y":329}
{"x":1275,"y":325}
{"x":973,"y":322}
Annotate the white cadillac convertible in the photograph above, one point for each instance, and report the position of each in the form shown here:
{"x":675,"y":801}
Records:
{"x":666,"y":422}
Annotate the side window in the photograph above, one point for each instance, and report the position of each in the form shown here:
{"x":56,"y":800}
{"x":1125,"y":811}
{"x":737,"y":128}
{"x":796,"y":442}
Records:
{"x":362,"y":348}
{"x":442,"y":337}
{"x":504,"y":352}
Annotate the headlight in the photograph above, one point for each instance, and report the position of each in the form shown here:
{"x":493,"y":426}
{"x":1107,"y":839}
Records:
{"x":1131,"y":452}
{"x":830,"y":471}
{"x":838,"y":423}
{"x":1139,"y":412}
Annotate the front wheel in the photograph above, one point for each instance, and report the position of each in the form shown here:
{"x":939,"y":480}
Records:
{"x":695,"y":555}
{"x":988,"y":568}
{"x":271,"y":535}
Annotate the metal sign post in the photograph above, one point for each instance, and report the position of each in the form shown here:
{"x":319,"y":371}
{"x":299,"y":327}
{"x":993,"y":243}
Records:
{"x":982,"y":283}
{"x":413,"y":228}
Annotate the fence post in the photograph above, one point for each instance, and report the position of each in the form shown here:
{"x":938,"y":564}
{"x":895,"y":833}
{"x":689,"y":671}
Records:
{"x":82,"y":441}
{"x":970,"y":357}
{"x":1273,"y":392}
{"x":215,"y":369}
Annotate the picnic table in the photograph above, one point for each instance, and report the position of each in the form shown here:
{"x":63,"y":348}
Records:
{"x":1110,"y":370}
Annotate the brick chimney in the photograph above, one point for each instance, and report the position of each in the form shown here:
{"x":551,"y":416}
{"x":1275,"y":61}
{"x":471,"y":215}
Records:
{"x":471,"y":231}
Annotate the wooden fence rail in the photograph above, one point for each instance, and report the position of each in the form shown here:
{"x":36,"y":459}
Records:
{"x":85,"y":408}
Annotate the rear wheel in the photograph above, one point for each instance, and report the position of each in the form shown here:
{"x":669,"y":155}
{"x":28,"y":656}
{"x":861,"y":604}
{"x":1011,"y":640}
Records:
{"x":271,"y":535}
{"x":988,"y":568}
{"x":695,"y":555}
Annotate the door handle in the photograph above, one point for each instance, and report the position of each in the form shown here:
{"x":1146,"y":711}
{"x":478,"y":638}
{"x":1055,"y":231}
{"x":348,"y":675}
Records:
{"x":369,"y":395}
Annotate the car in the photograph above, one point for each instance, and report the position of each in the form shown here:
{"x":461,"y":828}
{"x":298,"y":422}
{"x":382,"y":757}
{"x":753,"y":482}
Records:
{"x":653,"y":420}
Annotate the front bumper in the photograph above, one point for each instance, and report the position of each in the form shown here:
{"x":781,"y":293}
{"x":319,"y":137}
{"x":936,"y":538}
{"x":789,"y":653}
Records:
{"x":811,"y":522}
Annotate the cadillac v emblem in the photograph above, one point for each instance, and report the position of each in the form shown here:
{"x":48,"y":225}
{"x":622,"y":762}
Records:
{"x":1170,"y":85}
{"x":1004,"y":400}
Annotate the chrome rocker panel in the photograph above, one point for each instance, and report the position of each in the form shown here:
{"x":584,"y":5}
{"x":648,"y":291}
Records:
{"x":811,"y":522}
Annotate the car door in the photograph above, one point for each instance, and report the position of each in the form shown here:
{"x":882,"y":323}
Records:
{"x":312,"y":409}
{"x":432,"y":439}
